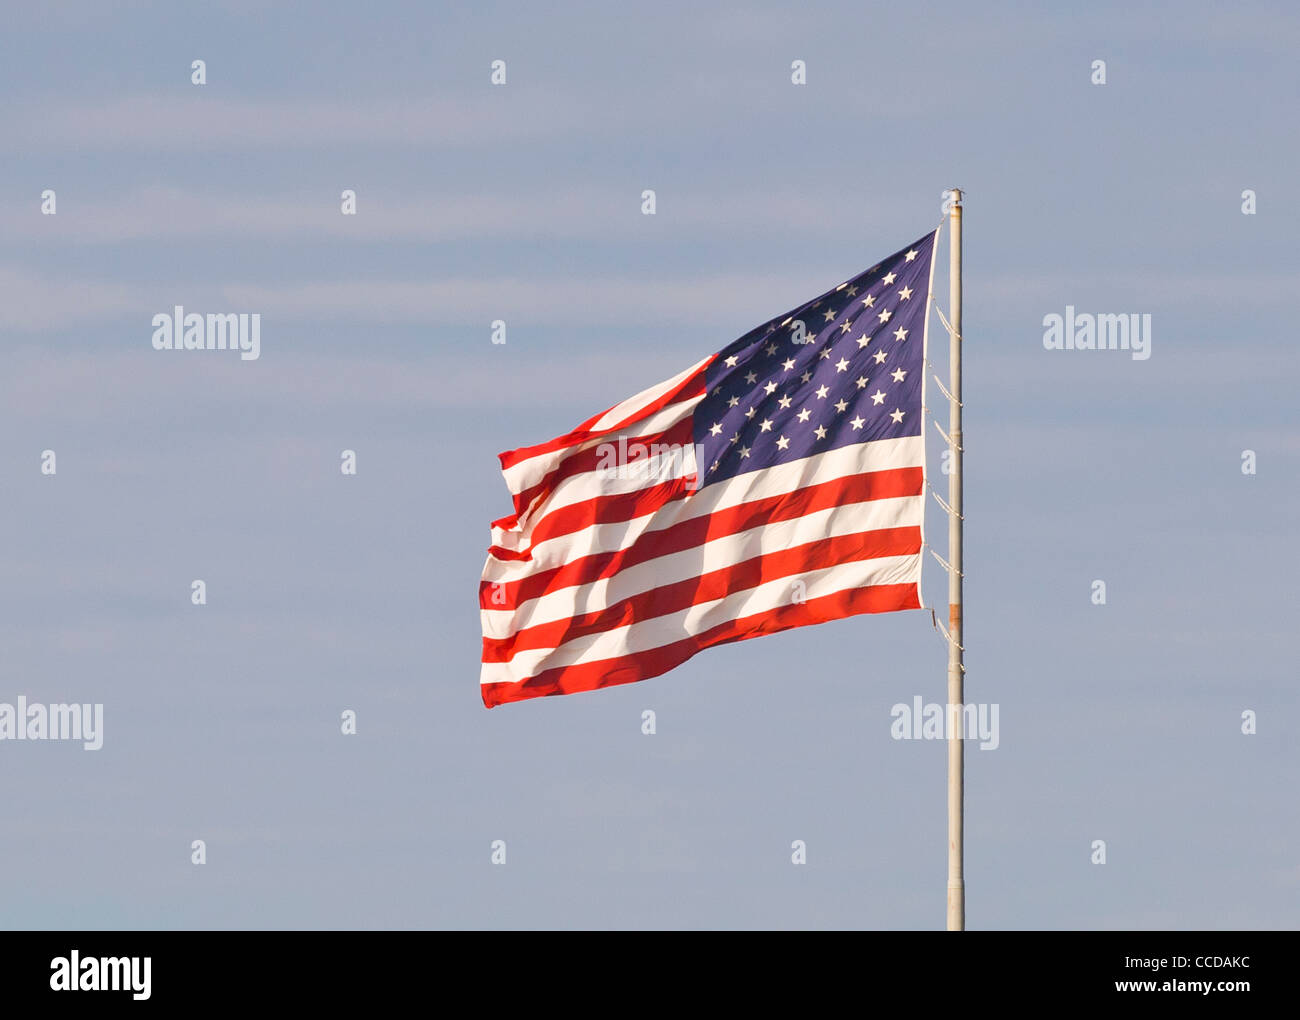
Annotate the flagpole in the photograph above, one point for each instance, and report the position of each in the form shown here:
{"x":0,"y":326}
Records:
{"x":956,"y":669}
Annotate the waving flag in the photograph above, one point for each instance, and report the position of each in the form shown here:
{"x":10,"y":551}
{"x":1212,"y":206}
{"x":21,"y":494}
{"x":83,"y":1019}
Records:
{"x":774,"y":484}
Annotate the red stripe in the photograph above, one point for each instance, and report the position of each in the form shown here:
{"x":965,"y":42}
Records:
{"x":691,"y":386}
{"x":612,"y":509}
{"x":860,"y":488}
{"x":505,"y":554}
{"x":603,"y":510}
{"x":583,"y":461}
{"x":708,"y":587}
{"x":626,"y":669}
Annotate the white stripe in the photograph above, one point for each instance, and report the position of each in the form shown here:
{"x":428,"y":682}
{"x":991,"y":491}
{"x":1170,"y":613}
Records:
{"x":727,"y":550}
{"x":527,"y":473}
{"x":779,"y":480}
{"x":663,"y":630}
{"x":620,"y":413}
{"x":644,"y":472}
{"x":597,"y":483}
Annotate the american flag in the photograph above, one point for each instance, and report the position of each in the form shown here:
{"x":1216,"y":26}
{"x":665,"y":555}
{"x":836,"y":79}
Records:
{"x":775,"y":484}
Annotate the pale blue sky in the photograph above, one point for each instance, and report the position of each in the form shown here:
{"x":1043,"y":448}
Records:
{"x":523,"y":203}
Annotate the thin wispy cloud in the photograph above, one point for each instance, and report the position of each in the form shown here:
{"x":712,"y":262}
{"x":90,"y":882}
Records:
{"x":393,"y":213}
{"x":195,"y":121}
{"x":37,"y":302}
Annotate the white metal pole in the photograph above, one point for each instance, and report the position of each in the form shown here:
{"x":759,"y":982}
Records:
{"x":956,"y":669}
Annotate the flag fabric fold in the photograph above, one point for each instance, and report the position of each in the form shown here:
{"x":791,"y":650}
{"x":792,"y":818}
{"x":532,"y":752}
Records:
{"x":775,"y":484}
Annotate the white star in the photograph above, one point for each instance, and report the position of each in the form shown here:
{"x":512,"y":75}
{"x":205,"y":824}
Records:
{"x":862,"y":382}
{"x":852,"y":291}
{"x":905,"y":294}
{"x":863,"y":340}
{"x":842,"y":364}
{"x":804,"y":414}
{"x":784,"y":402}
{"x":715,"y":429}
{"x":771,"y":349}
{"x":858,"y":422}
{"x":845,"y":326}
{"x":788,"y":364}
{"x":878,"y":397}
{"x":807,"y":376}
{"x":881,"y":356}
{"x":821,"y":432}
{"x":751,"y":377}
{"x":868,"y":301}
{"x":733,"y":401}
{"x":782,"y":443}
{"x":910,"y":255}
{"x":900,"y":333}
{"x":821,"y":393}
{"x":731,"y":361}
{"x":888,"y":279}
{"x":714,"y":467}
{"x":841,"y":406}
{"x":897,"y":415}
{"x":765,"y":425}
{"x":749,"y":413}
{"x":828,"y":314}
{"x":771,"y":388}
{"x":884,"y":315}
{"x":735,"y":437}
{"x":825,"y":352}
{"x":744,"y":452}
{"x":898,"y":375}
